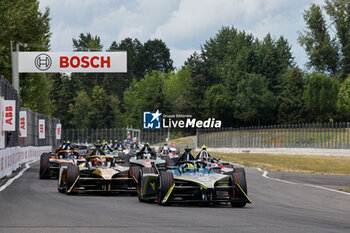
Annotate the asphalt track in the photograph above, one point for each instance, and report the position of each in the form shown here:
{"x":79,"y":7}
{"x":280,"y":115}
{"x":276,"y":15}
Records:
{"x":33,"y":205}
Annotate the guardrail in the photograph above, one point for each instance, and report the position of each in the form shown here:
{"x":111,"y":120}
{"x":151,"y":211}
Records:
{"x":12,"y":158}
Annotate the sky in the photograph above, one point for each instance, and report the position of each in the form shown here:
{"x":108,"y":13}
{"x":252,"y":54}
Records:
{"x":184,"y":25}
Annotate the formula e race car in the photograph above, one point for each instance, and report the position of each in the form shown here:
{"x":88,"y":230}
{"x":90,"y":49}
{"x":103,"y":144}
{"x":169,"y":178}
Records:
{"x":192,"y":182}
{"x":99,"y":173}
{"x":50,"y":162}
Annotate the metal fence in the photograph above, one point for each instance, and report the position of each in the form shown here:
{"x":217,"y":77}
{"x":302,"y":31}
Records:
{"x":330,"y":136}
{"x":152,"y":136}
{"x":12,"y":138}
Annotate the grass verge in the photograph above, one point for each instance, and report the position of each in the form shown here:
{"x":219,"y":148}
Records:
{"x":345,"y":190}
{"x":291,"y":163}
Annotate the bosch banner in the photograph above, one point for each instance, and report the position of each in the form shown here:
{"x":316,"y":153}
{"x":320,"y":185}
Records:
{"x":42,"y":129}
{"x":72,"y":62}
{"x":58,"y":131}
{"x":9,"y":115}
{"x":23,"y":124}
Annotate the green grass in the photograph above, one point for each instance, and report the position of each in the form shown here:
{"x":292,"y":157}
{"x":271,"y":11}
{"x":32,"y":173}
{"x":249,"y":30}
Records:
{"x":345,"y":190}
{"x":291,"y":163}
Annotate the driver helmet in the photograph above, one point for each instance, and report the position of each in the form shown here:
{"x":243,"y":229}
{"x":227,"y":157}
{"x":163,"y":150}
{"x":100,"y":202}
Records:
{"x":204,"y":147}
{"x":166,"y":150}
{"x":97,"y":162}
{"x":188,"y":167}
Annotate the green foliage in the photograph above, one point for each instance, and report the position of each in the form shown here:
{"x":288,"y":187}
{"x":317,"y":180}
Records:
{"x":144,"y":95}
{"x":291,"y":109}
{"x":254,"y":103}
{"x":321,"y":96}
{"x":321,"y":49}
{"x":218,"y":103}
{"x":343,"y":102}
{"x":81,"y":110}
{"x":87,"y":43}
{"x":21,"y":21}
{"x":101,"y":115}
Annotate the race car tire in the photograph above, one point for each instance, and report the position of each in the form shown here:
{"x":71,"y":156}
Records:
{"x":165,"y":181}
{"x":72,"y":175}
{"x":239,"y":177}
{"x":134,"y":172}
{"x":44,"y":165}
{"x":60,"y":184}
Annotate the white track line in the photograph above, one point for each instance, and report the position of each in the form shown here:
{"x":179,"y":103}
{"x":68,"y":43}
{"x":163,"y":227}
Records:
{"x":16,"y":177}
{"x":310,"y":185}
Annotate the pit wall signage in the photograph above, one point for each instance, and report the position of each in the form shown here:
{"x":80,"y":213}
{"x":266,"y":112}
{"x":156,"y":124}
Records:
{"x":23,"y":124}
{"x":72,"y":62}
{"x":9,"y":120}
{"x":58,"y":131}
{"x":41,"y":128}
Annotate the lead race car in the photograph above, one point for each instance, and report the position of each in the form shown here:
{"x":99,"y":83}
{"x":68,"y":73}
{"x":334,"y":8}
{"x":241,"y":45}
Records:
{"x":99,"y":173}
{"x":50,"y":163}
{"x":192,"y":181}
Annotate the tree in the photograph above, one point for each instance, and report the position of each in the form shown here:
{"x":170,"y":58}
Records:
{"x":81,"y":110}
{"x":62,"y":95}
{"x":21,"y":21}
{"x":254,"y":103}
{"x":144,"y":95}
{"x":218,"y":103}
{"x":320,"y":48}
{"x":153,"y":55}
{"x":87,"y":42}
{"x":102,"y":113}
{"x":343,"y":102}
{"x":291,"y":108}
{"x":321,"y":96}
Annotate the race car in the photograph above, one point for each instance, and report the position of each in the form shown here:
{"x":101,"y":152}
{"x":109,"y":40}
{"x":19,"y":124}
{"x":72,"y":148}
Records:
{"x":50,"y":162}
{"x":99,"y":173}
{"x":192,"y":182}
{"x":144,"y":159}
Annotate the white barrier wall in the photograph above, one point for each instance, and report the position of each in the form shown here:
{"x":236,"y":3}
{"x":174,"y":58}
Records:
{"x":11,"y":158}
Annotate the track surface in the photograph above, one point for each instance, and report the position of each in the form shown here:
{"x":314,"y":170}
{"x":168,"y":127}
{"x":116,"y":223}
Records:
{"x":33,"y":205}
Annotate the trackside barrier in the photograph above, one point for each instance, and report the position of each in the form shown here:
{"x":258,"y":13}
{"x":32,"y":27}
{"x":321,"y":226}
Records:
{"x":11,"y":158}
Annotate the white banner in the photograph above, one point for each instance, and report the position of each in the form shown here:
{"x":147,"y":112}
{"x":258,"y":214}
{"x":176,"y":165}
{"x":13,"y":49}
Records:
{"x":9,"y":115}
{"x":41,"y":128}
{"x":23,"y":124}
{"x":58,"y":131}
{"x":83,"y":62}
{"x":11,"y":158}
{"x":2,"y":132}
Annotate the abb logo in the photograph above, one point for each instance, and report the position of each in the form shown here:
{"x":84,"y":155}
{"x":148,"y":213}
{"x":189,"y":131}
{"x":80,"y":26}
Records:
{"x":41,"y":128}
{"x":23,"y":123}
{"x":58,"y":131}
{"x":85,"y":62}
{"x":9,"y":115}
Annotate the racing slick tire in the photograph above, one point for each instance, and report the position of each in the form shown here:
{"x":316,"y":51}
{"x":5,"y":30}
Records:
{"x":134,"y":172}
{"x":165,"y":181}
{"x":140,"y":185}
{"x":239,"y":177}
{"x":44,"y":166}
{"x":72,"y":175}
{"x":60,"y":184}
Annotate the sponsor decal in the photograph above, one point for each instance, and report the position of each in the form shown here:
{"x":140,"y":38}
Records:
{"x":58,"y":131}
{"x":42,"y":129}
{"x":23,"y":124}
{"x":9,"y":115}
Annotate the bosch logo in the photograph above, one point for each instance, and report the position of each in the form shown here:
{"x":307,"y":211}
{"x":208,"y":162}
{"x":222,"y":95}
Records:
{"x":43,"y":62}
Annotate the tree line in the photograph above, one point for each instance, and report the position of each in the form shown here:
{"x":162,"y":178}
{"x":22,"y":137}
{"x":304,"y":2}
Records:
{"x":235,"y":77}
